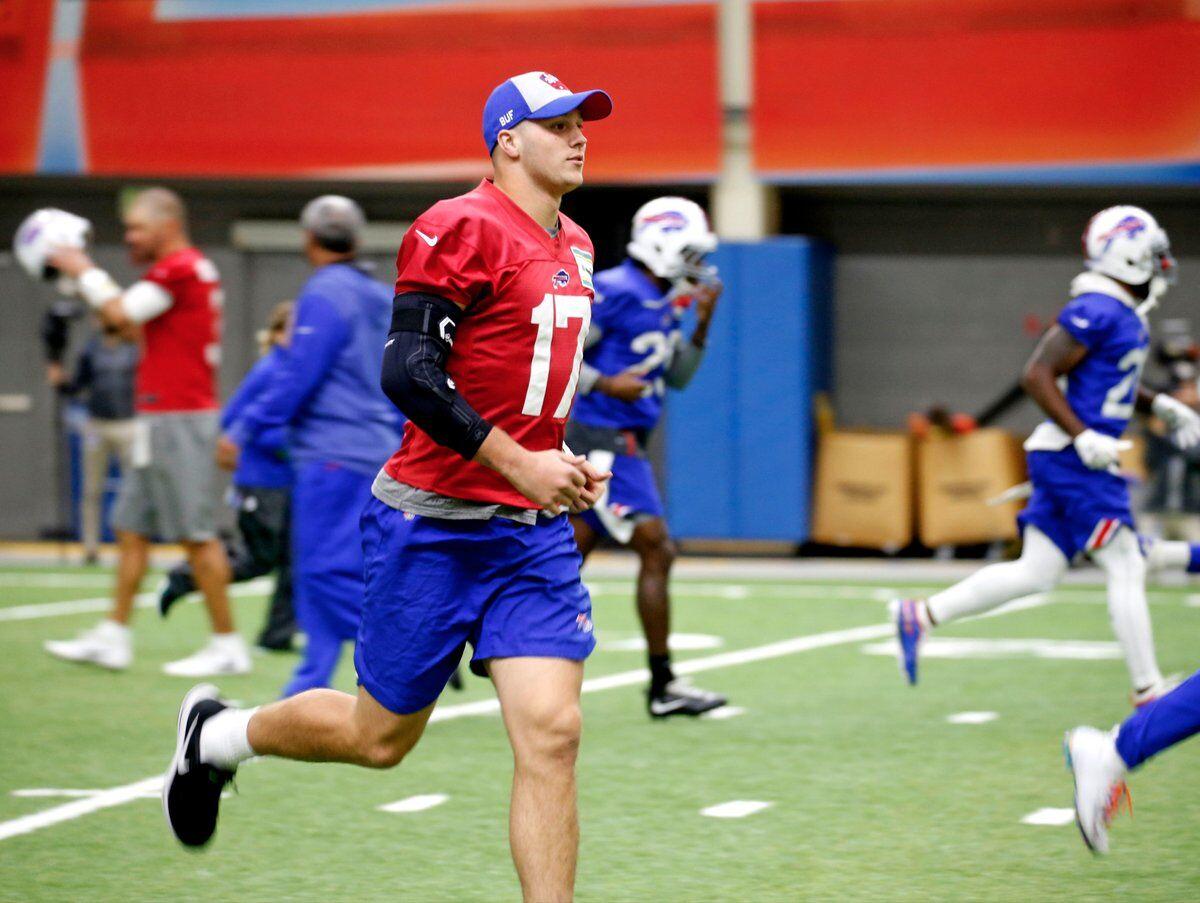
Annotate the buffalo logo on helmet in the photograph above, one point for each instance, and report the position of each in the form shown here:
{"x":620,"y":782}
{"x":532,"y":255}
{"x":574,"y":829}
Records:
{"x":668,"y":221}
{"x":1130,"y":227}
{"x":553,"y":82}
{"x":560,"y":279}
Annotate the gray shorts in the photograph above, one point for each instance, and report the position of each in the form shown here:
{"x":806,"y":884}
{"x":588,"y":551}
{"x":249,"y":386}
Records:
{"x":170,"y":490}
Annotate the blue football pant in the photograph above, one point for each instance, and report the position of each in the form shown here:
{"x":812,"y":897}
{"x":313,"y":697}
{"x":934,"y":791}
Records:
{"x":1161,"y":724}
{"x":327,"y":502}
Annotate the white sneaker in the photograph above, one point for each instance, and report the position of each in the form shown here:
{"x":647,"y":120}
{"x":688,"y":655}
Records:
{"x":1099,"y":783}
{"x":108,"y":645}
{"x":224,"y":654}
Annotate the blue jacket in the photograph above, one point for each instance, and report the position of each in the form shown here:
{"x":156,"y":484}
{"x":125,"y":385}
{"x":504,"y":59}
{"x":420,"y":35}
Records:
{"x":264,"y":460}
{"x":326,"y":387}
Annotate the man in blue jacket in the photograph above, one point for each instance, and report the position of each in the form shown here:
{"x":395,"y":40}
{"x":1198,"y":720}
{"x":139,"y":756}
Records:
{"x":261,"y":494}
{"x":341,"y":429}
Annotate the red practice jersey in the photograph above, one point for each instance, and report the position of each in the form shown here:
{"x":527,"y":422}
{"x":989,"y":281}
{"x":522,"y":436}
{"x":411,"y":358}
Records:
{"x":181,"y":346}
{"x":516,"y":354}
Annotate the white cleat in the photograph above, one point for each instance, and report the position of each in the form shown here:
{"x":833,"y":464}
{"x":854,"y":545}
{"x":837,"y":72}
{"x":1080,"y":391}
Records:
{"x":224,"y":654}
{"x":1099,"y":783}
{"x":107,"y":645}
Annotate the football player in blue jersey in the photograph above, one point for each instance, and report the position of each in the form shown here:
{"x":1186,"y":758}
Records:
{"x":634,"y":352}
{"x":1080,"y":503}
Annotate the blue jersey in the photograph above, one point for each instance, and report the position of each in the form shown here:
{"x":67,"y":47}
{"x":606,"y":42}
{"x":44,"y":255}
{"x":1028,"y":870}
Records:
{"x":639,"y":328}
{"x":325,"y":389}
{"x":263,"y":462}
{"x":1103,"y":386}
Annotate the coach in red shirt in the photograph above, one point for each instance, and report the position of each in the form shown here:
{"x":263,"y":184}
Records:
{"x":174,"y":310}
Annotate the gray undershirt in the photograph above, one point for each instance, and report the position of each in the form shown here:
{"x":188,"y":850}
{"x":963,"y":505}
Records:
{"x":412,"y":500}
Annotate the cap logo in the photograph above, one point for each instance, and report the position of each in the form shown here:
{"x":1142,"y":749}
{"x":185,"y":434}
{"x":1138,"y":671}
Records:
{"x":553,"y":82}
{"x":506,"y":119}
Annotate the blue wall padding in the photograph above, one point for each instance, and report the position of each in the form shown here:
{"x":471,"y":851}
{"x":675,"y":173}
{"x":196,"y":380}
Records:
{"x":740,"y":437}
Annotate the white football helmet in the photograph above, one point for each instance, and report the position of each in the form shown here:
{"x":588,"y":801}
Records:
{"x":1127,"y":243}
{"x":42,"y":232}
{"x":671,"y":237}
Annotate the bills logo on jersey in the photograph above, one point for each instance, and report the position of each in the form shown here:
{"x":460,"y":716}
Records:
{"x":668,"y":221}
{"x":1130,"y":226}
{"x":560,"y":279}
{"x":583,"y":623}
{"x":553,"y":82}
{"x":583,"y":260}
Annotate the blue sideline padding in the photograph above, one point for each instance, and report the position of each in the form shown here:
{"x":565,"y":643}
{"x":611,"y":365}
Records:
{"x":740,"y":437}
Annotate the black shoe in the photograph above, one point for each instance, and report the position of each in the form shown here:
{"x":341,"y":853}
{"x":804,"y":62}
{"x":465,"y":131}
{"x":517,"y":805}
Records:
{"x":279,"y":641}
{"x":456,"y":681}
{"x":191,"y":789}
{"x":178,"y":584}
{"x":679,"y":697}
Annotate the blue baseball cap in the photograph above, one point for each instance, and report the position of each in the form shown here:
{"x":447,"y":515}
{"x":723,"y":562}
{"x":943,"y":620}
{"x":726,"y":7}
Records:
{"x":537,"y":95}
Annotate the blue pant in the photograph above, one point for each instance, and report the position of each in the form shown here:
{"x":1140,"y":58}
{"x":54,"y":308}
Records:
{"x":327,"y":501}
{"x":434,"y":585}
{"x":1160,"y":724}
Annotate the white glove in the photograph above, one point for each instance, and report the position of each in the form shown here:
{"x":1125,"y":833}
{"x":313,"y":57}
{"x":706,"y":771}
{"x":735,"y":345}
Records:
{"x":1182,"y":421}
{"x":1098,"y":451}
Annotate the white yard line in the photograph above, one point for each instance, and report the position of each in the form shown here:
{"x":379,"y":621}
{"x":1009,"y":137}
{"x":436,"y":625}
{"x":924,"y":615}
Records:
{"x":735,"y":809}
{"x":415,"y":803}
{"x":972,"y":717}
{"x":1049,"y":817}
{"x":129,"y":792}
{"x":257,"y":587}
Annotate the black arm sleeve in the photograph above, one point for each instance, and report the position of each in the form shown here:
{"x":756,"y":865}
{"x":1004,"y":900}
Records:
{"x":414,"y":372}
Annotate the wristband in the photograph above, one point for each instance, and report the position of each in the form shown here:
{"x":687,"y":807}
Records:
{"x":97,"y":288}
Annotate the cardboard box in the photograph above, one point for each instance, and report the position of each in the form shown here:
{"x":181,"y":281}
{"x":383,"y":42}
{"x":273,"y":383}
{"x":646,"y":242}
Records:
{"x":956,"y":476}
{"x":864,"y":494}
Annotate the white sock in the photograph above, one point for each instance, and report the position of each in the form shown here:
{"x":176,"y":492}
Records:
{"x":111,"y":630}
{"x":224,"y":739}
{"x":1127,"y":609}
{"x":1041,"y":565}
{"x":231,"y":642}
{"x":1166,"y":555}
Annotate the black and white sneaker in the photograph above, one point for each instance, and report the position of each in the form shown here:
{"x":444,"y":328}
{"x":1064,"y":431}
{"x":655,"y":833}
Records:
{"x":191,"y":791}
{"x":679,"y":697}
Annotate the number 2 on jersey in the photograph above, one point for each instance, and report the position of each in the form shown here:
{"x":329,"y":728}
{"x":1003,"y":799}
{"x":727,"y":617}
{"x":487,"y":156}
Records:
{"x":1118,"y":403}
{"x":555,"y":312}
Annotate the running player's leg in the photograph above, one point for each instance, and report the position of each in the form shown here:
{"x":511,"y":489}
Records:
{"x":1100,"y":759}
{"x":656,"y":554}
{"x":210,"y":570}
{"x":539,"y":698}
{"x":1041,"y":566}
{"x":586,"y":536}
{"x":133,"y":556}
{"x":1122,"y":561}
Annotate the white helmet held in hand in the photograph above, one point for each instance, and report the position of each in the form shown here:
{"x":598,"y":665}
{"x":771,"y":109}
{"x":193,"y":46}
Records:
{"x":671,"y":237}
{"x":1127,"y":244}
{"x":42,"y":232}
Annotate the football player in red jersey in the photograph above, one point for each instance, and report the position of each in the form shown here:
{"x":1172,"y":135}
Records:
{"x":169,"y":492}
{"x":466,"y":538}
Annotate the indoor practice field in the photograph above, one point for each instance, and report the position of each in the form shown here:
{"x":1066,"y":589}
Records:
{"x":866,"y":788}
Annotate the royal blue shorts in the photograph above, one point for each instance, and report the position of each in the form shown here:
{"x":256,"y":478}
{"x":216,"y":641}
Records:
{"x":434,"y":585}
{"x":1079,"y":509}
{"x":631,"y":495}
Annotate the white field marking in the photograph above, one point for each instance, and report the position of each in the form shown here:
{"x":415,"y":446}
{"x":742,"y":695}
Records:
{"x":105,"y":799}
{"x":54,"y":791}
{"x":964,"y":647}
{"x":724,"y":712}
{"x":257,"y":587}
{"x":1051,"y":817}
{"x":678,"y":642}
{"x":972,"y":717}
{"x":735,"y":809}
{"x":415,"y":803}
{"x":1192,"y":600}
{"x":53,"y":580}
{"x":128,"y":792}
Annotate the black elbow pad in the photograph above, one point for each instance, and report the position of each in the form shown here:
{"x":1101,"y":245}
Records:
{"x":414,"y":372}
